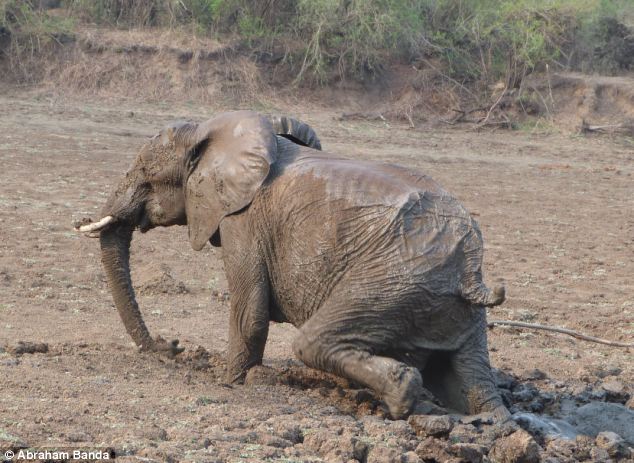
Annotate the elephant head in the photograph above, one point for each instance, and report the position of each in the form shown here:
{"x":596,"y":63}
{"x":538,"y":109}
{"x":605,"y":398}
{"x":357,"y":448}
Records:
{"x":188,"y":174}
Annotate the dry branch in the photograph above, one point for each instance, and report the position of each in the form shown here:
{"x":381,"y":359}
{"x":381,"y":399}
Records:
{"x":461,"y":115}
{"x":497,"y":102}
{"x":586,"y":127}
{"x":556,"y":329}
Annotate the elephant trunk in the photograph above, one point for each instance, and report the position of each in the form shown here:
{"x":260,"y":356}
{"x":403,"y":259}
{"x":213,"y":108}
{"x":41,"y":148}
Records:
{"x":115,"y":256}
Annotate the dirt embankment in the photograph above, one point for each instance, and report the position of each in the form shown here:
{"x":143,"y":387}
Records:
{"x":170,"y":66}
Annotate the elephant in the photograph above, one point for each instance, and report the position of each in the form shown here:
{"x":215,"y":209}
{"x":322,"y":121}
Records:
{"x":377,"y":266}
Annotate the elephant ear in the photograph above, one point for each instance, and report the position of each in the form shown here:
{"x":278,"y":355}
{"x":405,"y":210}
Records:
{"x":229,"y":161}
{"x":296,"y":131}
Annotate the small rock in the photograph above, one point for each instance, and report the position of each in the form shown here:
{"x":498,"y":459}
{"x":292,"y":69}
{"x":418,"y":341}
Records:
{"x":10,"y":362}
{"x":78,"y":436}
{"x":519,"y":447}
{"x":373,"y":425}
{"x":429,"y":425}
{"x":616,"y":391}
{"x":613,"y":386}
{"x":579,"y":389}
{"x":584,"y":445}
{"x":610,"y":370}
{"x":274,"y":441}
{"x":534,"y":374}
{"x":595,"y":417}
{"x":27,"y":347}
{"x":410,"y":457}
{"x":157,"y":279}
{"x":599,"y":455}
{"x":492,"y":433}
{"x":470,"y":453}
{"x":525,"y":393}
{"x":433,"y":449}
{"x":613,"y":444}
{"x":598,"y":394}
{"x":630,"y":403}
{"x":561,"y":448}
{"x":331,"y":446}
{"x":260,"y":375}
{"x":381,"y":454}
{"x":536,"y":406}
{"x":153,"y":433}
{"x":400,"y":429}
{"x":503,"y":380}
{"x":463,"y":433}
{"x":8,"y":441}
{"x":288,"y":431}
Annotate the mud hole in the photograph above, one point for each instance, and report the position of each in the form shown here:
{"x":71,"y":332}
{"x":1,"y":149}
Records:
{"x":555,"y":214}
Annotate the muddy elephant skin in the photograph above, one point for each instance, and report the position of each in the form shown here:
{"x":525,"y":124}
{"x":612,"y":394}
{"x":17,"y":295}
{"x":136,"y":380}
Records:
{"x":378,"y":266}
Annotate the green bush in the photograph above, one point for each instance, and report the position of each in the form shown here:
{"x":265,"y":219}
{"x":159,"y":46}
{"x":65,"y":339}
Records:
{"x":356,"y":37}
{"x":471,"y":41}
{"x":491,"y":40}
{"x":25,"y":31}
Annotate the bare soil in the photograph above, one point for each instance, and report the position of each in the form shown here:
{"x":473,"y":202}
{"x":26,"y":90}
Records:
{"x":556,"y":214}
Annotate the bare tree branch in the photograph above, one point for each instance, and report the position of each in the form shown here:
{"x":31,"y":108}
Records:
{"x":556,"y":329}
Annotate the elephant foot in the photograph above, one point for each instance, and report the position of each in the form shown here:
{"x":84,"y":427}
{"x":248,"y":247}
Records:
{"x":169,"y":349}
{"x":235,"y":377}
{"x":403,"y":390}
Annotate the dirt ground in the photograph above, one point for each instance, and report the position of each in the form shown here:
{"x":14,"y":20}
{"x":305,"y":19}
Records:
{"x":555,"y":211}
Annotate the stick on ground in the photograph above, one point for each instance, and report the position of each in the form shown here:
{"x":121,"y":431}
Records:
{"x":556,"y":329}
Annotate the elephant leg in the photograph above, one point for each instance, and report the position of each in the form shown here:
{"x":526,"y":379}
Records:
{"x":248,"y":321}
{"x":335,"y":349}
{"x":414,"y":358}
{"x":246,"y":344}
{"x":473,"y":371}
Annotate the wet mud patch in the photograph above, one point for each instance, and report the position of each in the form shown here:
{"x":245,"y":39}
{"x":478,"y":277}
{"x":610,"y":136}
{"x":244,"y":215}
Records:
{"x":347,"y":397}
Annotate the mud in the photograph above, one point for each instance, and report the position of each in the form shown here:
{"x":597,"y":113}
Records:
{"x":554,"y":213}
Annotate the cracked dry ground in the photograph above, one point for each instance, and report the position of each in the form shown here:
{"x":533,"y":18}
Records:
{"x":556,"y":214}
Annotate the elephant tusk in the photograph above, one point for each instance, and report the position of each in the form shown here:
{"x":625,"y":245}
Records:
{"x":96,"y":226}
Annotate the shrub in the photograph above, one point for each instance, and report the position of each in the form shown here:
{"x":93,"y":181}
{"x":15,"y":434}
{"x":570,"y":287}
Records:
{"x":473,"y":41}
{"x":25,"y":32}
{"x":489,"y":40}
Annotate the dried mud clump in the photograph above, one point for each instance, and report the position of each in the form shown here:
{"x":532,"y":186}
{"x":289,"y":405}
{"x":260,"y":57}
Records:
{"x":519,"y":447}
{"x":154,"y":280}
{"x":28,"y":347}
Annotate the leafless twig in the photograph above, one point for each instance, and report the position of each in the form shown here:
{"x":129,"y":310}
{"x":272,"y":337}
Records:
{"x":585,"y":127}
{"x":556,"y":329}
{"x":497,"y":102}
{"x":450,"y":79}
{"x":461,"y":115}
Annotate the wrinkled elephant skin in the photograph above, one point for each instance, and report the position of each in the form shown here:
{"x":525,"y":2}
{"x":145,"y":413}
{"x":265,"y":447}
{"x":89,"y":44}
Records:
{"x":378,"y":266}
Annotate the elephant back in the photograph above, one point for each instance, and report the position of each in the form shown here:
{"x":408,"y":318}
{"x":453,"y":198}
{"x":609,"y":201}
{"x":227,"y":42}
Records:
{"x":295,"y":130}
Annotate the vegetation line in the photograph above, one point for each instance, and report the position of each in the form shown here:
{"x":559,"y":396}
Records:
{"x":472,"y":44}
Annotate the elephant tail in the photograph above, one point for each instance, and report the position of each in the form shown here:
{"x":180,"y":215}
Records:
{"x":479,"y":294}
{"x":296,"y":131}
